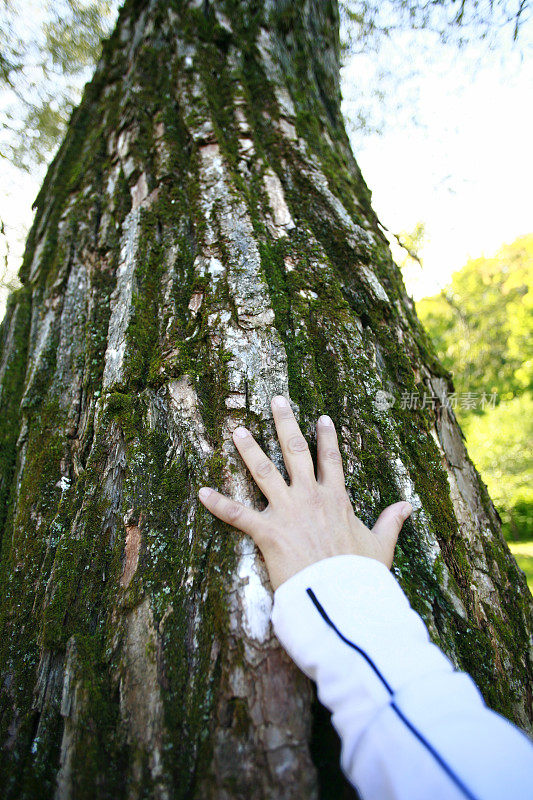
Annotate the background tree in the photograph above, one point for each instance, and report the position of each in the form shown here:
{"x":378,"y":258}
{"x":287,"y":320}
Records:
{"x":42,"y":73}
{"x":481,"y":327}
{"x":481,"y":322}
{"x":204,"y":240}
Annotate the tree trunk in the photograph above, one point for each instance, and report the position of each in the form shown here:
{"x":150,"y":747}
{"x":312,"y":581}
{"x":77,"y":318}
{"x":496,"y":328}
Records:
{"x":204,"y":240}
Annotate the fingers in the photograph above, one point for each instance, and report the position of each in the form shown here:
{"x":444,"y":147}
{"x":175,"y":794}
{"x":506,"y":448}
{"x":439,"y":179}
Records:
{"x":329,"y":459}
{"x":293,"y":445}
{"x":264,"y":473}
{"x":244,"y":519}
{"x":389,"y":523}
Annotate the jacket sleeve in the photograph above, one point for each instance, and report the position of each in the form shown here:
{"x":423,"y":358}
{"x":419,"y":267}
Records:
{"x":411,"y":726}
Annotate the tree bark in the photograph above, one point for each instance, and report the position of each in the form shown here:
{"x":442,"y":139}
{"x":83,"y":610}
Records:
{"x":204,"y":240}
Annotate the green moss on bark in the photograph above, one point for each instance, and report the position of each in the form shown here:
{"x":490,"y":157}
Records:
{"x":14,"y":333}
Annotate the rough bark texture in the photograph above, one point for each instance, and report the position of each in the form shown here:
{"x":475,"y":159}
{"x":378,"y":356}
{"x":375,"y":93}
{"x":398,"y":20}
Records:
{"x":203,"y":240}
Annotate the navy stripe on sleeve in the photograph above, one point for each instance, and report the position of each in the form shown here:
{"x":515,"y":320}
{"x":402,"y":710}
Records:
{"x":429,"y":747}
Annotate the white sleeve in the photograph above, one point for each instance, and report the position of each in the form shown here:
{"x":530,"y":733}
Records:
{"x":411,"y":726}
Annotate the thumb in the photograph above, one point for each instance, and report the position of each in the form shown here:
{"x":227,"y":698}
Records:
{"x":389,"y":523}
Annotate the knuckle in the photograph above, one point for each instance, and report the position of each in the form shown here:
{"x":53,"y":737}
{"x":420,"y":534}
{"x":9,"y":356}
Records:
{"x":339,"y":498}
{"x":233,"y":512}
{"x":314,"y":498}
{"x":333,"y":456}
{"x":214,"y":500}
{"x":285,"y":413}
{"x":297,"y":444}
{"x":344,"y":501}
{"x":264,"y":468}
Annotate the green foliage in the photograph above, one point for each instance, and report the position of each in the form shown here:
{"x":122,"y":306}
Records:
{"x":43,"y":68}
{"x":523,"y":552}
{"x":74,"y":41}
{"x":498,"y":444}
{"x":481,"y":325}
{"x":481,"y":322}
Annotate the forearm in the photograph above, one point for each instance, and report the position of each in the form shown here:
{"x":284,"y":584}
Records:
{"x":410,"y":725}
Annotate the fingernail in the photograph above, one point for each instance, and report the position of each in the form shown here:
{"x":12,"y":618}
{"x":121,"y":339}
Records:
{"x":204,"y":493}
{"x":325,"y":420}
{"x":406,"y":509}
{"x":279,"y":401}
{"x":240,"y":433}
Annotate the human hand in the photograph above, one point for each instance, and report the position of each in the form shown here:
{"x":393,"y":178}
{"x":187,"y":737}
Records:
{"x":312,"y":518}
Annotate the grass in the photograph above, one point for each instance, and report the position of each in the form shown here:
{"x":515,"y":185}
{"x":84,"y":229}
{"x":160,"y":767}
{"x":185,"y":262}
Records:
{"x":523,"y":552}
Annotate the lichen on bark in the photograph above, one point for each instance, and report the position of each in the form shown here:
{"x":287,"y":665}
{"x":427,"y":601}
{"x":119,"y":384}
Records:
{"x":203,"y":240}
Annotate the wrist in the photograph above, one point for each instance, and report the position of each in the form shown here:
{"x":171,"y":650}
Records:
{"x":360,"y":598}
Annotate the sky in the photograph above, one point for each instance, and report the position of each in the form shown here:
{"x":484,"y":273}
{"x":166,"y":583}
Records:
{"x":456,"y":154}
{"x":453,"y":150}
